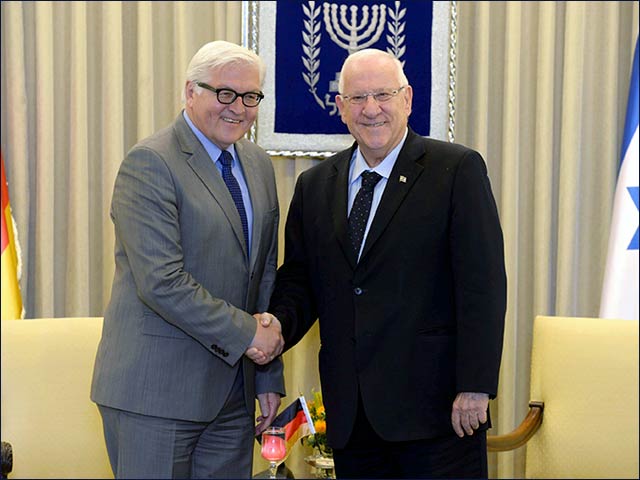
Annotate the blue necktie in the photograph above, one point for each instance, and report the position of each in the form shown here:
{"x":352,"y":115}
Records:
{"x":361,"y":208}
{"x":234,"y":189}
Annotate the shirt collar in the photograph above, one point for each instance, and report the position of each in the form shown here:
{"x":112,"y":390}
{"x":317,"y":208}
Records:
{"x":359,"y":164}
{"x":212,"y":149}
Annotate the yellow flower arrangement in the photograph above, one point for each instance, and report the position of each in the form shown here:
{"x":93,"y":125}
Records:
{"x":318,"y":415}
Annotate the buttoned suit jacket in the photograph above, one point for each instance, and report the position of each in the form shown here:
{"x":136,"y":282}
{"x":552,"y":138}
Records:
{"x":420,"y":316}
{"x":179,"y":321}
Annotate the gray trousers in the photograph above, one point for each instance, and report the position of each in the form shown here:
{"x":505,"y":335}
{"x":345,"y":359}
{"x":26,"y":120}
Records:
{"x":140,"y":446}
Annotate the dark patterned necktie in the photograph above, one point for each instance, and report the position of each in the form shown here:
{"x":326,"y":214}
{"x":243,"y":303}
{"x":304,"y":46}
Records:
{"x":234,"y":189}
{"x":361,"y":208}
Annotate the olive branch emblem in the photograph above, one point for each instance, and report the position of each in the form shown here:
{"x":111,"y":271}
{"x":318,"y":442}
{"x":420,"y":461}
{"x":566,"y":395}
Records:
{"x":396,"y":28}
{"x":311,"y":38}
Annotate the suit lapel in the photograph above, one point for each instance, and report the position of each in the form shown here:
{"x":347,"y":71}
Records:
{"x":204,"y":168}
{"x":403,"y":176}
{"x":337,"y":195}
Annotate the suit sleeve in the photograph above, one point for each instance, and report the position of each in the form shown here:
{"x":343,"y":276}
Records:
{"x":479,"y":276}
{"x":145,"y":212}
{"x":293,"y":300}
{"x":270,"y":377}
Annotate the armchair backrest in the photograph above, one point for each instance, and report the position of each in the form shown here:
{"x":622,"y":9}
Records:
{"x":47,"y":416}
{"x":585,"y":370}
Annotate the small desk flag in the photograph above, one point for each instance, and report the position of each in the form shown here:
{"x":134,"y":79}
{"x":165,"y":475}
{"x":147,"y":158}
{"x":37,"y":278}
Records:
{"x":296,"y":421}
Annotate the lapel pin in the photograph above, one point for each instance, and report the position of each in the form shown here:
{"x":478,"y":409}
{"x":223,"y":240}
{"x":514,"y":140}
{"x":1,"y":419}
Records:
{"x":403,"y":179}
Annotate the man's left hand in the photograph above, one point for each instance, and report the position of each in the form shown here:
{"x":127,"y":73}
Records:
{"x":269,"y":404}
{"x":469,"y":412}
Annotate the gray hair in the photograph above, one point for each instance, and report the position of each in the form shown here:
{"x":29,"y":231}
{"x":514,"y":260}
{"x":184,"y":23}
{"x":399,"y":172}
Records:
{"x":371,"y":52}
{"x":219,"y":54}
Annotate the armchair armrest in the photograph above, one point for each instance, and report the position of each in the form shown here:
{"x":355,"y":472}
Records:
{"x":520,"y":436}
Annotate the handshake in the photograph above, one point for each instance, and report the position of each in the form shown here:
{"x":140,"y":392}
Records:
{"x":267,"y":343}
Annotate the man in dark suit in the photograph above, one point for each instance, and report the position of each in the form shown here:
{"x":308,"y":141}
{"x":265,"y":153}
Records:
{"x":404,"y":268}
{"x":196,"y":214}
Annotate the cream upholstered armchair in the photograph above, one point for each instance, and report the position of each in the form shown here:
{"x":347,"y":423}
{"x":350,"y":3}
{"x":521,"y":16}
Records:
{"x":53,"y":427}
{"x":584,"y":377}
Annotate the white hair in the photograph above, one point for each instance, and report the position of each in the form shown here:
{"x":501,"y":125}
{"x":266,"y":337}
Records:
{"x":219,"y":54}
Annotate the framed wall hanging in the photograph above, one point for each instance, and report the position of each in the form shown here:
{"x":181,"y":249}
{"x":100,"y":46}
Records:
{"x":304,"y":44}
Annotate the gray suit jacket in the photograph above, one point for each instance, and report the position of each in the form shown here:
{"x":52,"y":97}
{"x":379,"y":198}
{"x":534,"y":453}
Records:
{"x":179,"y":321}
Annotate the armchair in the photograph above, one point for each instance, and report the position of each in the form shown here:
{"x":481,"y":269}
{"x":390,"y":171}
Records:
{"x":584,"y":377}
{"x":54,"y":429}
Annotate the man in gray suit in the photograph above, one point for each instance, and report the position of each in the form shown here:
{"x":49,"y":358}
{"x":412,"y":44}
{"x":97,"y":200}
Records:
{"x":196,"y":216}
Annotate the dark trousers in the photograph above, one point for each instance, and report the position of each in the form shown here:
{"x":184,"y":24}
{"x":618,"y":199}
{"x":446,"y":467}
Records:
{"x":366,"y":455}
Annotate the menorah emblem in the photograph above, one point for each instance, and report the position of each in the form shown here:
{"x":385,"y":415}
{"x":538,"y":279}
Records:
{"x":350,"y":34}
{"x":354,"y":33}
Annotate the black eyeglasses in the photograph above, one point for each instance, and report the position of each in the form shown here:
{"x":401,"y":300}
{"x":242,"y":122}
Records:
{"x":379,"y":97}
{"x":227,"y":96}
